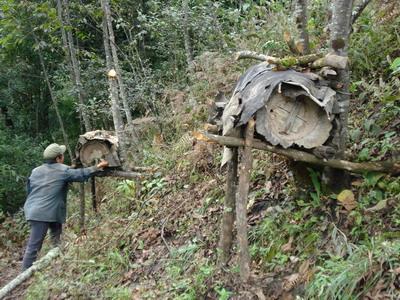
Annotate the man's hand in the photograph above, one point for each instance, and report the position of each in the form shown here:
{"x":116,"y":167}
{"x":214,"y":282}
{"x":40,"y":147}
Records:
{"x":102,"y":164}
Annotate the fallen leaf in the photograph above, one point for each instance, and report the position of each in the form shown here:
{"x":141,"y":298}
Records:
{"x":291,"y":281}
{"x":288,"y":246}
{"x":347,"y":199}
{"x":379,"y":206}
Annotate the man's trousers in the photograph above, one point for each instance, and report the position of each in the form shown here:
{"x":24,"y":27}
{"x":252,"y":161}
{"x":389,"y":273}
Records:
{"x":36,"y":238}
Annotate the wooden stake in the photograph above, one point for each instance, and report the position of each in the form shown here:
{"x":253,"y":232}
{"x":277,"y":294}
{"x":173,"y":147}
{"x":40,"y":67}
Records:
{"x":225,"y":242}
{"x":82,"y":206}
{"x":245,"y":166}
{"x":93,"y":190}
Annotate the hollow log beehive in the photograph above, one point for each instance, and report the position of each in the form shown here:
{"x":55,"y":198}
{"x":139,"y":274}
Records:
{"x":290,"y":108}
{"x":95,"y":145}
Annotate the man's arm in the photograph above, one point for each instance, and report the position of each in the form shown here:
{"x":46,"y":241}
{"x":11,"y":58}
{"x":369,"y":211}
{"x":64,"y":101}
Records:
{"x":79,"y":175}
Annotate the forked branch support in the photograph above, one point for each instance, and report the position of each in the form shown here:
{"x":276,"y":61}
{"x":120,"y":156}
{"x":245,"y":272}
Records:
{"x":390,"y":167}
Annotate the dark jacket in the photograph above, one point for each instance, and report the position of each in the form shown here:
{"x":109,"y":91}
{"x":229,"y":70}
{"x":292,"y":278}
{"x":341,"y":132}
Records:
{"x":47,"y":191}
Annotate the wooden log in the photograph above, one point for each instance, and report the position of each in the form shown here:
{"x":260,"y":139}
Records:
{"x":316,"y":60}
{"x":123,"y":174}
{"x":228,"y":217}
{"x":287,"y":62}
{"x":142,"y":169}
{"x":253,"y":55}
{"x":246,"y":161}
{"x":331,"y":60}
{"x":38,"y":265}
{"x":358,"y":10}
{"x":390,"y":167}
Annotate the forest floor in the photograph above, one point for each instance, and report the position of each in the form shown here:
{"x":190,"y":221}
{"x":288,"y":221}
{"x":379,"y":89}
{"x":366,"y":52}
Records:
{"x":156,"y":238}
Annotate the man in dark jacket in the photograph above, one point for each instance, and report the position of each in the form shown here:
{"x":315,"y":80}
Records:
{"x":45,"y":206}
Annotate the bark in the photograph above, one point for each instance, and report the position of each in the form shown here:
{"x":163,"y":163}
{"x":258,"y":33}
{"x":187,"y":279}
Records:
{"x":38,"y":265}
{"x":114,"y":54}
{"x":73,"y":66}
{"x":117,"y":119}
{"x":340,"y":32}
{"x":303,"y":44}
{"x":81,"y":206}
{"x":53,"y":99}
{"x":288,"y":62}
{"x":390,"y":167}
{"x":331,"y":60}
{"x":358,"y":10}
{"x":228,"y":217}
{"x":64,"y":39}
{"x":76,"y":70}
{"x":186,"y":35}
{"x":241,"y":201}
{"x":93,"y":190}
{"x":123,"y":174}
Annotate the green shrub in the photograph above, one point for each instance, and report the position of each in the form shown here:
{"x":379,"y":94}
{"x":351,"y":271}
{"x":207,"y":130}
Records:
{"x":18,"y":155}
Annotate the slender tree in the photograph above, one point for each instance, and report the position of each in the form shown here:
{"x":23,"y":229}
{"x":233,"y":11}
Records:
{"x":340,"y":28}
{"x":76,"y":69}
{"x":53,"y":98}
{"x":114,"y":55}
{"x":303,"y":44}
{"x":186,"y":35}
{"x":113,"y":84}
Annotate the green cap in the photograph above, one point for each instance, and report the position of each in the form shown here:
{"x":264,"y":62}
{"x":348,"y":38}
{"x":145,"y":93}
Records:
{"x":53,"y":150}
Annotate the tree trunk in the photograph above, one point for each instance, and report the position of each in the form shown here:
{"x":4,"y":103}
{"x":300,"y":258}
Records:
{"x":302,"y":45}
{"x":186,"y":35}
{"x":116,"y":113}
{"x":53,"y":99}
{"x":122,"y":90}
{"x":245,"y":166}
{"x":358,"y":10}
{"x":76,"y":70}
{"x":340,"y":32}
{"x":73,"y":66}
{"x":225,"y":242}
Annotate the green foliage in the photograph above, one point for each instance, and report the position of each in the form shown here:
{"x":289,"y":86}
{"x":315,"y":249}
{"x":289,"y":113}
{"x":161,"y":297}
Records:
{"x":395,"y":66}
{"x":14,"y":230}
{"x":353,"y":276}
{"x":19,"y":154}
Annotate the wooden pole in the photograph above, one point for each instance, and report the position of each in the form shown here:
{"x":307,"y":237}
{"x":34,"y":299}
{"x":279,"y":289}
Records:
{"x":93,"y":190}
{"x":82,"y":206}
{"x":228,"y":217}
{"x":245,"y":166}
{"x":38,"y":265}
{"x":123,"y":174}
{"x":390,"y":167}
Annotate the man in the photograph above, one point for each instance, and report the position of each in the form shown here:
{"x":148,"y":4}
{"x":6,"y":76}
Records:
{"x":45,"y":206}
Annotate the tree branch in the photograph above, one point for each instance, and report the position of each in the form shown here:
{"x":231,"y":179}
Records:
{"x":316,"y":60}
{"x":390,"y":167}
{"x":38,"y":265}
{"x":358,"y":10}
